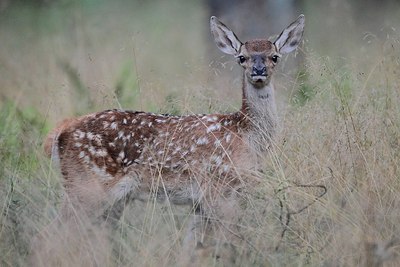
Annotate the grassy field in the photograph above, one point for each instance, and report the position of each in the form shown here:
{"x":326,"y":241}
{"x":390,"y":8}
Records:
{"x":330,"y":192}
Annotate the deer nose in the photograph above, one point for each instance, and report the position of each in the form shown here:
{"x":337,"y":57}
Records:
{"x":259,"y":71}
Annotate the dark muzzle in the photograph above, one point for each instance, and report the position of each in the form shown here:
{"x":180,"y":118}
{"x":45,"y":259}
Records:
{"x":259,"y":71}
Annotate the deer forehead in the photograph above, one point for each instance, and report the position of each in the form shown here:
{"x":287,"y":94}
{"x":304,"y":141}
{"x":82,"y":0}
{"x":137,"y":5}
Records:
{"x":259,"y":46}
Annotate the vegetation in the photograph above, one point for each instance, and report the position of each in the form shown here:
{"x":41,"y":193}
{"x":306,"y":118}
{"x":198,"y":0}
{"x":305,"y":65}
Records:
{"x":330,"y":191}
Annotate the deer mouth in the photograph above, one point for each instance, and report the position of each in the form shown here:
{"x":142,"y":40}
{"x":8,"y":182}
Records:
{"x":258,"y":78}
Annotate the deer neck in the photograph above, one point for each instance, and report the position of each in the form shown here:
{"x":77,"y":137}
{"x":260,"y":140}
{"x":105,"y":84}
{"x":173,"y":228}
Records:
{"x":259,"y":109}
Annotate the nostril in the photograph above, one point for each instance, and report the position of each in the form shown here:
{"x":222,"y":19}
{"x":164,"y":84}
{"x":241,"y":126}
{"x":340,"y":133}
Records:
{"x":259,"y":71}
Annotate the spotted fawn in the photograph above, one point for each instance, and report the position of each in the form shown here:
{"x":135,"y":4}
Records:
{"x":113,"y":156}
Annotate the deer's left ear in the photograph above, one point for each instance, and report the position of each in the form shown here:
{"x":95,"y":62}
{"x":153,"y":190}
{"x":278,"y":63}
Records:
{"x":290,"y":37}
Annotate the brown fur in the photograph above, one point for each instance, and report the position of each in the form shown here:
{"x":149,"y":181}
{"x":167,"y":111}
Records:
{"x":51,"y":137}
{"x":259,"y":45}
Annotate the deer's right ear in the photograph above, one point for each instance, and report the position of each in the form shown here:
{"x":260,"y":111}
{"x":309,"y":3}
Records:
{"x":225,"y":39}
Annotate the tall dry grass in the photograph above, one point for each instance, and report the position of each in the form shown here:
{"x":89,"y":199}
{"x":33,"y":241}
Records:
{"x":330,"y":190}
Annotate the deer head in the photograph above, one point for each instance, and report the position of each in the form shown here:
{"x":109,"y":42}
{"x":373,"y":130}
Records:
{"x":257,"y":57}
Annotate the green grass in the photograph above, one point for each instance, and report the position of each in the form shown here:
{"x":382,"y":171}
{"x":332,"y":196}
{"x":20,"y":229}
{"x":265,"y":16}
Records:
{"x":340,"y":130}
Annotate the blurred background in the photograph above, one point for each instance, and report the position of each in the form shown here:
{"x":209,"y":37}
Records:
{"x":68,"y":57}
{"x":338,"y":101}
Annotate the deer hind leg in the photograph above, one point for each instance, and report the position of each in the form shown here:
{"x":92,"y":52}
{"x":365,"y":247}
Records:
{"x":122,"y":192}
{"x":84,"y":222}
{"x":114,"y":211}
{"x":85,"y":198}
{"x":92,"y":192}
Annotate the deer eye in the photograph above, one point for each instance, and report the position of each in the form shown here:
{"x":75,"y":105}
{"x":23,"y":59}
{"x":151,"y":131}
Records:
{"x":242,"y":59}
{"x":274,"y":58}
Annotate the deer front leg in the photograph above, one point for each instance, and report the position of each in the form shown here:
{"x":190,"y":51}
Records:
{"x":226,"y":234}
{"x":213,"y":231}
{"x":196,"y":238}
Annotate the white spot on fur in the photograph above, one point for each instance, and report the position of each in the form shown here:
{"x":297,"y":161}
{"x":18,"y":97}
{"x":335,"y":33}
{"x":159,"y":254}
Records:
{"x":217,"y":143}
{"x":89,"y":135}
{"x":101,"y":153}
{"x":226,"y":168}
{"x":81,"y":154}
{"x":228,"y":137}
{"x":202,"y":141}
{"x":213,"y":127}
{"x":92,"y":150}
{"x":212,"y":118}
{"x":227,"y":123}
{"x":77,"y":144}
{"x":78,"y":134}
{"x":216,"y":159}
{"x":114,"y":125}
